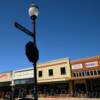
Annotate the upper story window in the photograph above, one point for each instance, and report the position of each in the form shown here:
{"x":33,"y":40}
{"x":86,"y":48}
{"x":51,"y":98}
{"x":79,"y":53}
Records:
{"x":50,"y":72}
{"x":88,"y":73}
{"x":83,"y":73}
{"x":77,"y":74}
{"x":40,"y":73}
{"x":91,"y":72}
{"x":95,"y":72}
{"x":80,"y":74}
{"x":98,"y":72}
{"x":63,"y":71}
{"x":74,"y":74}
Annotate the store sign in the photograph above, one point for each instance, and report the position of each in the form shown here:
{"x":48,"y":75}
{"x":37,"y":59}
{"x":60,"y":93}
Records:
{"x":77,"y":66}
{"x":23,"y":74}
{"x":91,"y":64}
{"x":5,"y":77}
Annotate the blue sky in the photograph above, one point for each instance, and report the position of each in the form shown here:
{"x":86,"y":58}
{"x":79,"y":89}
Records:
{"x":65,"y":28}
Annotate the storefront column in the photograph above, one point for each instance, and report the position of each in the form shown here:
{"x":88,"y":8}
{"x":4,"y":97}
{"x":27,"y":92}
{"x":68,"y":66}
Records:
{"x":91,"y":85}
{"x":71,"y":89}
{"x":87,"y":87}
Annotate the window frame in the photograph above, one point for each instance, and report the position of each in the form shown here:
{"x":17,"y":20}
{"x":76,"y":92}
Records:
{"x":63,"y":71}
{"x":95,"y":73}
{"x":88,"y":73}
{"x":50,"y":72}
{"x":40,"y":73}
{"x":98,"y":71}
{"x":91,"y":72}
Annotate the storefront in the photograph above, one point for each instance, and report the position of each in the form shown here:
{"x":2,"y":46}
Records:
{"x":23,"y":87}
{"x":53,"y":89}
{"x":86,"y":77}
{"x":5,"y":84}
{"x":53,"y":78}
{"x":23,"y":82}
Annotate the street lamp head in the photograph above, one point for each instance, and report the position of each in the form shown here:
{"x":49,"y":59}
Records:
{"x":33,"y":11}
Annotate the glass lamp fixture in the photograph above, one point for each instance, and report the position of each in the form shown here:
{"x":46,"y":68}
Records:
{"x":33,"y":11}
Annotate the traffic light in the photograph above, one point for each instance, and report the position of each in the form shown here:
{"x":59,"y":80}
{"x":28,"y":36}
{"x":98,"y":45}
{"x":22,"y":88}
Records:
{"x":31,"y":52}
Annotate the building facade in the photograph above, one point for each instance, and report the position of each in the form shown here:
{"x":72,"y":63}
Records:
{"x":86,"y":76}
{"x":53,"y":77}
{"x":5,"y":83}
{"x":61,"y":77}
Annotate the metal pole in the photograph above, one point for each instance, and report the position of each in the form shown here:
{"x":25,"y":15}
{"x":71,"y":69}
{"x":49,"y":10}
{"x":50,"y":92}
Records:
{"x":34,"y":30}
{"x":12,"y":88}
{"x":35,"y":63}
{"x":12,"y":95}
{"x":35,"y":82}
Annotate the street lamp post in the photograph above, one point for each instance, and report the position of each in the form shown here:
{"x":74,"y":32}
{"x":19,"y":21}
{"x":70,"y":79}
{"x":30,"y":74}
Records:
{"x":31,"y":47}
{"x":33,"y":13}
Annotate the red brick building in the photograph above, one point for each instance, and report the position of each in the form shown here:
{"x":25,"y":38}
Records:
{"x":86,"y":76}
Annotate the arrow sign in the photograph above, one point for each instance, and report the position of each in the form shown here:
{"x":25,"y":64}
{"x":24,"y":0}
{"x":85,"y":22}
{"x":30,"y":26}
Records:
{"x":22,"y":28}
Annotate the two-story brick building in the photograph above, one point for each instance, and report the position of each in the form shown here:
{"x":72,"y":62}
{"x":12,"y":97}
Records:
{"x":86,"y":75}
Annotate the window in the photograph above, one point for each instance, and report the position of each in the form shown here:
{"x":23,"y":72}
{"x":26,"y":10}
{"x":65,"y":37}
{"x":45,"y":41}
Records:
{"x":95,"y":72}
{"x":91,"y":72}
{"x":83,"y":73}
{"x":63,"y":71}
{"x":88,"y":73}
{"x":17,"y":81}
{"x":23,"y":81}
{"x":74,"y":74}
{"x":80,"y":74}
{"x":50,"y":72}
{"x":40,"y":73}
{"x":98,"y":72}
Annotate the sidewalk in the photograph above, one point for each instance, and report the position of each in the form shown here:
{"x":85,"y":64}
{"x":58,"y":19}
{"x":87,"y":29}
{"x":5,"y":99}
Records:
{"x":69,"y":98}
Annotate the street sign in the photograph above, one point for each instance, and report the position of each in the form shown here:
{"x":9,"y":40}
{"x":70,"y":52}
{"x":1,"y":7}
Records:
{"x":31,"y":52}
{"x":22,"y":28}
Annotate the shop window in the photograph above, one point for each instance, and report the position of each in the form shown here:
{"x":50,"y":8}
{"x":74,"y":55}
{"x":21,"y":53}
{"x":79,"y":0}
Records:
{"x":50,"y":72}
{"x":40,"y":73}
{"x":17,"y":82}
{"x":23,"y":81}
{"x":29,"y":80}
{"x":63,"y":71}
